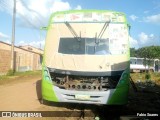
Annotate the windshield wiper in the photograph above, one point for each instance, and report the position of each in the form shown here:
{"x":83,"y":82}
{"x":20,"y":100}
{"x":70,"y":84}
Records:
{"x":73,"y":31}
{"x":97,"y":39}
{"x":102,"y":32}
{"x":103,"y":29}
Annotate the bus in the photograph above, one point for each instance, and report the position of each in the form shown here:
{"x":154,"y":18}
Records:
{"x":138,"y":65}
{"x":86,"y":58}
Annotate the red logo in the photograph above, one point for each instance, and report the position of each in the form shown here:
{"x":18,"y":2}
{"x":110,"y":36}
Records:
{"x":74,"y":17}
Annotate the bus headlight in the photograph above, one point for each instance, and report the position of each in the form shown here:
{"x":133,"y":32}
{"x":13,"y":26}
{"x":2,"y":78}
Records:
{"x":46,"y":75}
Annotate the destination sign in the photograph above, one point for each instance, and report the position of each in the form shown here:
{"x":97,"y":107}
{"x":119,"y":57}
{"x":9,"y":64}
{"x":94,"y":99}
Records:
{"x":89,"y":17}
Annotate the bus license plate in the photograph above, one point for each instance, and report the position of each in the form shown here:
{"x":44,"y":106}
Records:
{"x":82,"y":97}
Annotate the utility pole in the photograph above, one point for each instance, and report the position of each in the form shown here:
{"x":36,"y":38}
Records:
{"x":13,"y":35}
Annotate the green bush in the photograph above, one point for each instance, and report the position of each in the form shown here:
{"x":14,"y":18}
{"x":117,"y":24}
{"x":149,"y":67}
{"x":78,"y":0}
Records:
{"x":10,"y":72}
{"x":147,"y":76}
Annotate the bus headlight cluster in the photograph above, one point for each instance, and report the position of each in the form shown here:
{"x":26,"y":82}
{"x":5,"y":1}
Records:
{"x":46,"y":75}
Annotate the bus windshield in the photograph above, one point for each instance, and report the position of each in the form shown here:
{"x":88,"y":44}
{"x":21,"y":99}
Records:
{"x":85,"y":46}
{"x":85,"y":33}
{"x":92,"y":38}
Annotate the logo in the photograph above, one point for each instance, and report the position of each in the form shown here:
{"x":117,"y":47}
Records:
{"x":74,"y":17}
{"x":6,"y":114}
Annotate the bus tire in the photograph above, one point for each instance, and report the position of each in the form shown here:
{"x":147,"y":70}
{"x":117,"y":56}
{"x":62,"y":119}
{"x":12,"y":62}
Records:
{"x":42,"y":101}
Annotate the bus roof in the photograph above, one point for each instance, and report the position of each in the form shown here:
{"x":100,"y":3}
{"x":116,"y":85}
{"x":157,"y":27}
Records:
{"x":87,"y":16}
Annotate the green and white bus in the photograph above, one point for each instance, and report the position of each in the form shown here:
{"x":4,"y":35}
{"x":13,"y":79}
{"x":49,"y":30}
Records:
{"x":86,"y":58}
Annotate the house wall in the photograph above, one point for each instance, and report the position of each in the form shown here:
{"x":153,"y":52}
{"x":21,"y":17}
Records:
{"x":30,"y":48}
{"x":24,"y":60}
{"x":5,"y":61}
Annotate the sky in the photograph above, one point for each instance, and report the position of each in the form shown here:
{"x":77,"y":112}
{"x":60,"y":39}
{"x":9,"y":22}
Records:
{"x":142,"y":15}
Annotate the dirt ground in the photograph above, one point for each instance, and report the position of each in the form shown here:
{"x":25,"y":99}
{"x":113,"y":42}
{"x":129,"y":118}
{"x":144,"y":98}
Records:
{"x":23,"y":94}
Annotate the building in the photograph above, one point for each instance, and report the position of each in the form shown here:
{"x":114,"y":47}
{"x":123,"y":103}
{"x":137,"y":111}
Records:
{"x":31,"y":48}
{"x":26,"y":58}
{"x":137,"y":65}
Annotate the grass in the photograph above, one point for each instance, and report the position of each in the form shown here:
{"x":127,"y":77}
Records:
{"x":27,"y":73}
{"x":155,"y":77}
{"x":5,"y":78}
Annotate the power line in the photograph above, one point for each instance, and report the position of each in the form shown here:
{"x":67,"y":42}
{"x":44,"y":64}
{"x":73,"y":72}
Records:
{"x":8,"y":6}
{"x":36,"y":14}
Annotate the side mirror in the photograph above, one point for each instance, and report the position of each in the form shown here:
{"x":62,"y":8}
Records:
{"x":44,"y":28}
{"x":129,"y":26}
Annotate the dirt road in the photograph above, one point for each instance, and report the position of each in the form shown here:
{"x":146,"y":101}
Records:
{"x":19,"y":96}
{"x":23,"y":94}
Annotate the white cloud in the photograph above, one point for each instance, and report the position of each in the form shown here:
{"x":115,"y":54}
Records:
{"x":151,"y":36}
{"x":147,"y":39}
{"x":36,"y":44}
{"x":133,"y":42}
{"x":59,"y":5}
{"x":21,"y":43}
{"x":133,"y":17}
{"x":35,"y":13}
{"x":143,"y":37}
{"x":78,"y":7}
{"x":3,"y":36}
{"x":155,"y":19}
{"x":6,"y":6}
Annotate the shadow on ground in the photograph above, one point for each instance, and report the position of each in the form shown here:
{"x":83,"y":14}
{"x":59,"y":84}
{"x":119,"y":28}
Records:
{"x":38,"y":90}
{"x":146,"y":99}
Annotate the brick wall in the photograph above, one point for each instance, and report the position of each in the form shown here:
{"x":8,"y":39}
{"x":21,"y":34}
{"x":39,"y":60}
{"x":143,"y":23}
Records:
{"x":24,"y":60}
{"x":5,"y":61}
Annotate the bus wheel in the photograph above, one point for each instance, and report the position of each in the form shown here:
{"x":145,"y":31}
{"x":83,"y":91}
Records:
{"x":42,"y":101}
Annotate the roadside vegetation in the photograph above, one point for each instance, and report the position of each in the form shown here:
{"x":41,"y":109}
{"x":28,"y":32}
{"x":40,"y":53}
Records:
{"x":141,"y":77}
{"x":17,"y":75}
{"x":149,"y":53}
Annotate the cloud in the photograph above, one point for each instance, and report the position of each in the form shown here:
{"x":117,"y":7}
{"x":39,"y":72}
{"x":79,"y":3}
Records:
{"x":3,"y":36}
{"x":78,"y":7}
{"x":21,"y":43}
{"x":6,"y":6}
{"x":35,"y":13}
{"x":59,"y":5}
{"x":147,"y":39}
{"x":143,"y":37}
{"x":155,"y":19}
{"x":133,"y":42}
{"x":133,"y":17}
{"x":36,"y":44}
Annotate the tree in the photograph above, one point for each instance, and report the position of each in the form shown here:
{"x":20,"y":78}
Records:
{"x":149,"y":54}
{"x":133,"y":52}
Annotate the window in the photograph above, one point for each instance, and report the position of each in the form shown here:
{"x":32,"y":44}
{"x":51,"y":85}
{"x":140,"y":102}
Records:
{"x":84,"y":46}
